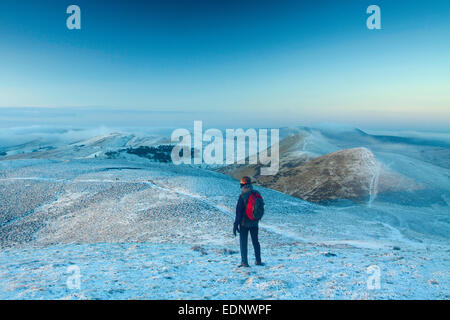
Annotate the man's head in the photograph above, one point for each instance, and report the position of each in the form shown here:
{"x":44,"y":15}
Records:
{"x":246,"y":184}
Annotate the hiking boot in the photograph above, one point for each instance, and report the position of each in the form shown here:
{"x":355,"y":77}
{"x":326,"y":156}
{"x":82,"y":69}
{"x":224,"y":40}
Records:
{"x":259,"y":263}
{"x":243,"y":265}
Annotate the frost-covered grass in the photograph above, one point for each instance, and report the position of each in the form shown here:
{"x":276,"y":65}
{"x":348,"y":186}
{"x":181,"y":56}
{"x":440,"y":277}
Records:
{"x":181,"y":271}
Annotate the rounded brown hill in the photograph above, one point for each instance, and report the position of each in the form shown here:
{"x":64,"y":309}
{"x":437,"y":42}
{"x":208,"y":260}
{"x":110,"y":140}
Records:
{"x":346,"y":174}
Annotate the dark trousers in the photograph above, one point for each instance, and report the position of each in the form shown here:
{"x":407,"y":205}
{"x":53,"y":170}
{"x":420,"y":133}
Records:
{"x":243,"y":235}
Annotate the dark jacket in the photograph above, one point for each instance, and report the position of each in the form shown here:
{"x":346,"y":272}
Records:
{"x":241,"y":216}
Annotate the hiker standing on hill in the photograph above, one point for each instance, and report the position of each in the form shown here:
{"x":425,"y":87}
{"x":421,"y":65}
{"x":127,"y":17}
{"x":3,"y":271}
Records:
{"x":249,"y":210}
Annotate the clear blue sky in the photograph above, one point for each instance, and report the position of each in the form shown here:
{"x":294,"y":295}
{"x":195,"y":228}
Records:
{"x":272,"y":62}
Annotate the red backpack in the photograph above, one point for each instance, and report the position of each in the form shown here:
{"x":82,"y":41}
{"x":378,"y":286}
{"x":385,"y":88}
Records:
{"x":255,"y":206}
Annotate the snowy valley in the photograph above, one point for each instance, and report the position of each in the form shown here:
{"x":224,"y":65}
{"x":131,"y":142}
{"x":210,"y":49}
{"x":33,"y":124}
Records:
{"x":139,"y":228}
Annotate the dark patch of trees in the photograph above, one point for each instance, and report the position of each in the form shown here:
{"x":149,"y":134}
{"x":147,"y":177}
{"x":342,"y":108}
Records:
{"x":161,"y":153}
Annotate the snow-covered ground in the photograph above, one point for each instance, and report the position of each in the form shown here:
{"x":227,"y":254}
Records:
{"x":145,"y":230}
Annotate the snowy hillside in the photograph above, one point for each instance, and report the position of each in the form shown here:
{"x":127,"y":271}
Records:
{"x":141,"y":229}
